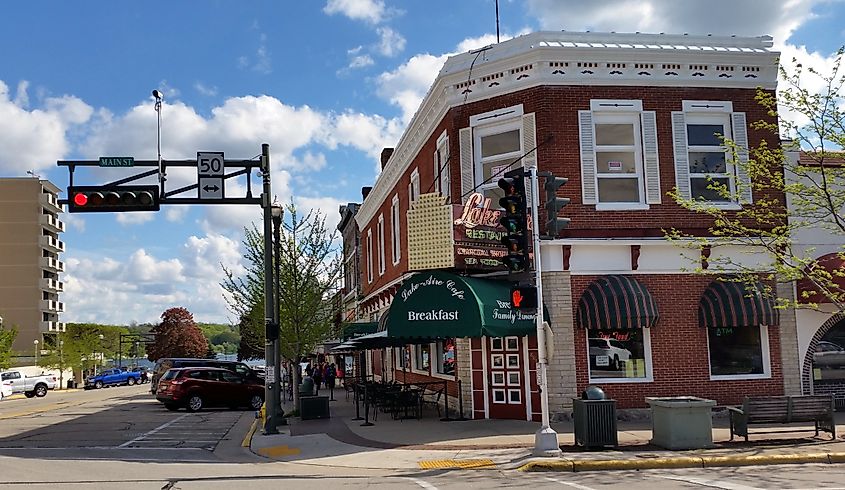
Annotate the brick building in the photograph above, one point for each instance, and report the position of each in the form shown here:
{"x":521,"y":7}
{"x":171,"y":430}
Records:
{"x":627,"y":118}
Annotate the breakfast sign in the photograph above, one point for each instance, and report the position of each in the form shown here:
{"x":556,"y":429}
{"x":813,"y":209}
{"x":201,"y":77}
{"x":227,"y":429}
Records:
{"x":478,"y":235}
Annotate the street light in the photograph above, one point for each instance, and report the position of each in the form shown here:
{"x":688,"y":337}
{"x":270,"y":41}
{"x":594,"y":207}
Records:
{"x":102,"y":355}
{"x":277,"y":212}
{"x":36,"y":351}
{"x":61,"y":362}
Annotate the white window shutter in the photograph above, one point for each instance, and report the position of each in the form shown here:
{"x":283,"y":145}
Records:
{"x":588,"y":158}
{"x":436,"y":170}
{"x":467,"y":167}
{"x":410,"y":195}
{"x":529,"y":144}
{"x":651,"y":163}
{"x":679,"y":140}
{"x":740,"y":139}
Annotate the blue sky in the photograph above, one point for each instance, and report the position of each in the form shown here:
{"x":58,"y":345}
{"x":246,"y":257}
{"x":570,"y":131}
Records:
{"x":327,"y":83}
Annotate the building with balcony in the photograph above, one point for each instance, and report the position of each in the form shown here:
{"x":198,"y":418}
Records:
{"x":626,"y":118}
{"x":30,"y":264}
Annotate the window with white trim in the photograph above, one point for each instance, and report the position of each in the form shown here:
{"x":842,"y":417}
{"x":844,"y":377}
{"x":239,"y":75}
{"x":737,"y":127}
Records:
{"x":497,"y":146}
{"x":445,"y":351}
{"x":738,"y":352}
{"x":619,"y":157}
{"x":442,"y":167}
{"x":704,"y":168}
{"x":402,"y":356}
{"x":370,"y":255}
{"x":619,"y":355}
{"x":381,"y":261}
{"x":414,"y":186}
{"x":422,"y":357}
{"x":396,"y":249}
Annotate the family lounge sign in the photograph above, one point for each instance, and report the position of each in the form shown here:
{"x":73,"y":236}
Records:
{"x":436,"y":304}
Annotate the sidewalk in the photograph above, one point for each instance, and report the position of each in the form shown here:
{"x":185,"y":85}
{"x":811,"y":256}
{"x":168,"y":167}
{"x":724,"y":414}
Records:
{"x":430,"y":443}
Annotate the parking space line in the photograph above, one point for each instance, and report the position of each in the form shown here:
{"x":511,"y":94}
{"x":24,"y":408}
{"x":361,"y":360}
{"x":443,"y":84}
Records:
{"x":569,"y":484}
{"x":160,"y":427}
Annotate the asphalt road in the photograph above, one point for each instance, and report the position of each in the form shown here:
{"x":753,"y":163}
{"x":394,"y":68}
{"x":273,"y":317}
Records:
{"x":122,"y":438}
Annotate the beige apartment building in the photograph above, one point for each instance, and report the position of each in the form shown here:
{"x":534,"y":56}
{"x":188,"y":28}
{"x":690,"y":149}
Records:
{"x":29,"y":261}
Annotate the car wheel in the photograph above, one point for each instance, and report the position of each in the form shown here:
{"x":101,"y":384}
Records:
{"x":255,"y":402}
{"x":194,"y":403}
{"x":29,"y":394}
{"x":41,"y":391}
{"x":171,"y":407}
{"x":130,"y":381}
{"x":98,"y":384}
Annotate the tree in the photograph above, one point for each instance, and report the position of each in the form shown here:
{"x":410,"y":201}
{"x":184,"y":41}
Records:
{"x":7,"y":337}
{"x":310,"y":268}
{"x":177,"y":336}
{"x":814,"y":187}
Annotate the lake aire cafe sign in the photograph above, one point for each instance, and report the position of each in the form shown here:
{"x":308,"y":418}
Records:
{"x":478,"y":235}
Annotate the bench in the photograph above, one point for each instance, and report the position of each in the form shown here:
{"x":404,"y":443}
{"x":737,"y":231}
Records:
{"x":783,"y":410}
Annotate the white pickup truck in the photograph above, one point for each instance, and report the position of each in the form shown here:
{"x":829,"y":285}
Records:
{"x":16,"y":382}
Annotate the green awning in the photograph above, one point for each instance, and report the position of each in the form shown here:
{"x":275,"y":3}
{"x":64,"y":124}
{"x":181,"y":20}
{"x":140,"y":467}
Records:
{"x":437,"y":304}
{"x":357,"y":329}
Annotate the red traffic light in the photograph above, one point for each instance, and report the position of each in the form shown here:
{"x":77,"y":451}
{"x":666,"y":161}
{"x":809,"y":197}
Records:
{"x":93,"y":199}
{"x":80,"y":199}
{"x":524,"y":297}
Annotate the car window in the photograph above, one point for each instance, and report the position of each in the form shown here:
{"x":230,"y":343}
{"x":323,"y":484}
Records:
{"x":230,"y":377}
{"x":6,"y":376}
{"x":197,"y":374}
{"x":170,"y":374}
{"x":243,"y":369}
{"x":598,"y":343}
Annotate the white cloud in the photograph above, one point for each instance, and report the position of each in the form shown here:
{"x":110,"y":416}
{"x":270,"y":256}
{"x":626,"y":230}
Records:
{"x":176,"y":214}
{"x":391,"y":42}
{"x":327,"y":206}
{"x":135,"y":218}
{"x":35,"y":139}
{"x":146,"y":269}
{"x":205,"y":90}
{"x":406,"y":86}
{"x":368,"y":133}
{"x":371,"y":11}
{"x":360,"y":61}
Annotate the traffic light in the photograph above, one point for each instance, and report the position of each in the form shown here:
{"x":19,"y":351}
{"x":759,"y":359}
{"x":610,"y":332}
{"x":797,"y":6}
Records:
{"x":524,"y":297}
{"x":515,"y":221}
{"x":105,"y":199}
{"x":554,"y":204}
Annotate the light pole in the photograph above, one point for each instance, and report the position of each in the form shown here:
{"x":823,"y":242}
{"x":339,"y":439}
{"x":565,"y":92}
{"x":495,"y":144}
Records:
{"x":278,"y":212}
{"x":35,"y":342}
{"x":159,"y":96}
{"x":271,"y":331}
{"x":61,"y":363}
{"x":102,"y":355}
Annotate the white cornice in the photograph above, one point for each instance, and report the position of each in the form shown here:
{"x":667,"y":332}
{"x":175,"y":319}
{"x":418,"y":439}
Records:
{"x":576,"y":59}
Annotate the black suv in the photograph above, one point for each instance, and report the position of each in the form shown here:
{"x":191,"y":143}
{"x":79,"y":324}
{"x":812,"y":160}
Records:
{"x":165,"y":363}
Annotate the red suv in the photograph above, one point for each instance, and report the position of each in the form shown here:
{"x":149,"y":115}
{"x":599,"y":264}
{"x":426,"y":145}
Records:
{"x":199,"y":387}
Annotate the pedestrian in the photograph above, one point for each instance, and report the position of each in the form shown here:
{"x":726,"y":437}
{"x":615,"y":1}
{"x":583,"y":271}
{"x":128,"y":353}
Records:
{"x":317,"y":375}
{"x":331,"y":372}
{"x":308,"y":369}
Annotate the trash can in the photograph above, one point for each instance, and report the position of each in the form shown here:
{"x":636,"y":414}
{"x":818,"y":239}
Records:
{"x":314,"y":407}
{"x":594,"y":419}
{"x":681,"y":422}
{"x":306,"y":388}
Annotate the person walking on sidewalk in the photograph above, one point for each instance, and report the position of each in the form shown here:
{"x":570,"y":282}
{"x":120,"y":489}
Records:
{"x":318,"y":377}
{"x":330,"y":376}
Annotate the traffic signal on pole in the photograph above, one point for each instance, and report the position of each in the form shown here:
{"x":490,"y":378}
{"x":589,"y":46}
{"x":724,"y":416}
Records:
{"x":515,"y":221}
{"x":524,"y":297}
{"x":106,"y":199}
{"x":554,"y":204}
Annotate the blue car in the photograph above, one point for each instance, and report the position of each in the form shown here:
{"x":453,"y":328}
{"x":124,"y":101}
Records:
{"x":112,"y":377}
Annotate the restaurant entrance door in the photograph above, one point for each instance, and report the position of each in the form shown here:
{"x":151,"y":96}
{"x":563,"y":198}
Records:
{"x":506,"y":377}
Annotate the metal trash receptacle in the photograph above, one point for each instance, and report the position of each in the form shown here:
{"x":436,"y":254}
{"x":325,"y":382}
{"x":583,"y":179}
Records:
{"x":595,"y":423}
{"x":314,"y":407}
{"x":306,"y":388}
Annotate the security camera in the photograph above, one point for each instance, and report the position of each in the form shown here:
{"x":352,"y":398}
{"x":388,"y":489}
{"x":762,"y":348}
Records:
{"x":157,"y":94}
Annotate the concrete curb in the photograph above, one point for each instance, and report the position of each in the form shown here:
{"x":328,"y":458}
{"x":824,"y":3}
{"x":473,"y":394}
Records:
{"x":569,"y":465}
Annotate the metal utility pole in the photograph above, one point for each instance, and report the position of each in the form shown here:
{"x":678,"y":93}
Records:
{"x":278,"y":213}
{"x":545,"y":439}
{"x":270,"y":405}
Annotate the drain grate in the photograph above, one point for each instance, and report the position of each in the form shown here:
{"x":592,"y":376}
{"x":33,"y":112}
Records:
{"x":457,"y":464}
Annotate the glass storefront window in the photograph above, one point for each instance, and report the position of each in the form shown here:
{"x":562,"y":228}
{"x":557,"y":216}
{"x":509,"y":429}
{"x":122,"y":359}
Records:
{"x":422,"y":359}
{"x":829,"y":356}
{"x":619,"y":355}
{"x":402,"y":357}
{"x":446,"y":356}
{"x":737,"y":351}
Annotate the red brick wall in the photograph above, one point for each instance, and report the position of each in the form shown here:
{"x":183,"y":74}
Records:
{"x":679,"y":352}
{"x":556,"y":109}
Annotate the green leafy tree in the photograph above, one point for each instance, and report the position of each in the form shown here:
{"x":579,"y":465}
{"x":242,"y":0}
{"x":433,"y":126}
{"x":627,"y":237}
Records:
{"x":814,"y":187}
{"x":310,"y":267}
{"x":7,"y":337}
{"x":177,"y":336}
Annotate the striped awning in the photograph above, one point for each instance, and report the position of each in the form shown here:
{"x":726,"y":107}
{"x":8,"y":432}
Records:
{"x":736,"y":304}
{"x":616,"y":303}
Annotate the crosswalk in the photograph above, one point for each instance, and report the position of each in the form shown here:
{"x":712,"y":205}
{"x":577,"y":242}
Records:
{"x":202,"y":430}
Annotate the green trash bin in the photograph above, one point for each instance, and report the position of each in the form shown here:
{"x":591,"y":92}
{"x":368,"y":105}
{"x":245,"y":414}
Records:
{"x":306,"y":388}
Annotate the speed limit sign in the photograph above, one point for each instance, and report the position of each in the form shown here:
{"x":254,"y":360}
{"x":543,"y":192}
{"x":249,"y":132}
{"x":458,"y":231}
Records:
{"x":210,"y":170}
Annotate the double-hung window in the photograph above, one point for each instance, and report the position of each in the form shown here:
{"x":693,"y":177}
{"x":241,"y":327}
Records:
{"x":414,"y":186}
{"x":705,"y":169}
{"x":394,"y":230}
{"x":370,"y":255}
{"x":381,"y":261}
{"x":442,"y":183}
{"x":619,"y":166}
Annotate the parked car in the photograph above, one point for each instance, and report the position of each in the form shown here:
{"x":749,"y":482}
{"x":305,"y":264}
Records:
{"x":112,"y":377}
{"x":30,"y":386}
{"x":829,"y":355}
{"x":166,"y":363}
{"x":144,"y":374}
{"x":608,"y":354}
{"x":198,"y":387}
{"x":5,"y":390}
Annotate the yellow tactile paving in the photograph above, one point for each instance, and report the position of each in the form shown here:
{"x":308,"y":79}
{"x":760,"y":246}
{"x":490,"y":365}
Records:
{"x":456,"y":464}
{"x":277,"y":451}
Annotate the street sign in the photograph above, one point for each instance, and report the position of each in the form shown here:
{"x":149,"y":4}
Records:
{"x":211,"y":188}
{"x":210,"y":170}
{"x":117,"y":161}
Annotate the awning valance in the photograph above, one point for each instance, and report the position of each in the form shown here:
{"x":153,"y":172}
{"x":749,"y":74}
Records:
{"x":736,"y":304}
{"x":616,"y":303}
{"x":437,"y":304}
{"x":356,"y":329}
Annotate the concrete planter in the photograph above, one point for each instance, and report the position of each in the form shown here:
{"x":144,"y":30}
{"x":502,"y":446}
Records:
{"x":682,"y":422}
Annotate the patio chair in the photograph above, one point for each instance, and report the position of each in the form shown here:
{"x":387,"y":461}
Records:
{"x":432,"y":398}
